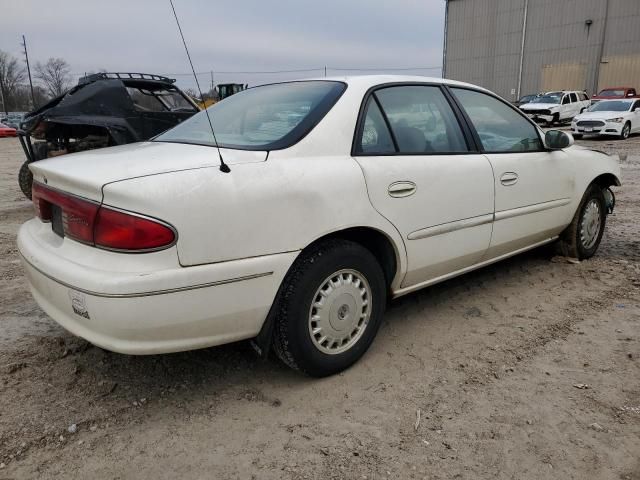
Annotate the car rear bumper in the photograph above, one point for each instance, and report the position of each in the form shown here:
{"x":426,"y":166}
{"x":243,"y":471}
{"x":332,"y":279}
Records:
{"x":154,"y":311}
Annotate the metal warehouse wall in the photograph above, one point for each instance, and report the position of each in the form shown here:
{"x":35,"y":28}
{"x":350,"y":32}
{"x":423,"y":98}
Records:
{"x":568,"y":44}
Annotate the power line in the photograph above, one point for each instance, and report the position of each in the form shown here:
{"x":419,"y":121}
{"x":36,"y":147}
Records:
{"x":300,"y":70}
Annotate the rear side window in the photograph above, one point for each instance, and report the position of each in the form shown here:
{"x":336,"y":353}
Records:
{"x":500,"y":127}
{"x":574,"y":99}
{"x":375,"y":136}
{"x":416,"y":119}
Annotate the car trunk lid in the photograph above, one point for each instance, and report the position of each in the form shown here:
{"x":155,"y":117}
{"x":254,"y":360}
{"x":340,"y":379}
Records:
{"x":84,"y":174}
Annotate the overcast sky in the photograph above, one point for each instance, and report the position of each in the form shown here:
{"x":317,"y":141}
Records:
{"x":228,"y":35}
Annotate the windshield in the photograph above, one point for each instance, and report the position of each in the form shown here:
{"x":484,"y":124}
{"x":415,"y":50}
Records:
{"x":548,"y":98}
{"x":611,"y":93}
{"x":261,"y":118}
{"x":527,"y":98}
{"x":158,"y":100}
{"x":610,"y":106}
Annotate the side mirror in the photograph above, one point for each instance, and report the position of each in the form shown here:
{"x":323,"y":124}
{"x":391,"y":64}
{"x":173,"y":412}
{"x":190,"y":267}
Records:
{"x":557,"y":139}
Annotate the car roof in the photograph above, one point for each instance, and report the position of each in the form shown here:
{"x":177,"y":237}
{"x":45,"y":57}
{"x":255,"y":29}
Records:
{"x":368,"y":81}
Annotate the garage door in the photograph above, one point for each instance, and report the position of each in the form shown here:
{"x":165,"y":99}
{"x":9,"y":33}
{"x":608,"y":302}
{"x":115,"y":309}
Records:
{"x":619,"y":71}
{"x":564,"y":76}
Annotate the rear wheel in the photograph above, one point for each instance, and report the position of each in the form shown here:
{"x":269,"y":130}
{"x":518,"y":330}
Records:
{"x":626,"y":131}
{"x":582,"y":237}
{"x":25,"y":179}
{"x":330,"y":308}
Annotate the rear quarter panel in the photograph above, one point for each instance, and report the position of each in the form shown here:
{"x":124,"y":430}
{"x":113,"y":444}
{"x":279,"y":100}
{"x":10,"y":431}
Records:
{"x":280,"y":205}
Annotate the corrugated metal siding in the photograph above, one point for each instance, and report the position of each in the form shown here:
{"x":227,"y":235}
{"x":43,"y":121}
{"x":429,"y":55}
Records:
{"x":566,"y":76}
{"x":484,"y":39}
{"x":620,"y":71}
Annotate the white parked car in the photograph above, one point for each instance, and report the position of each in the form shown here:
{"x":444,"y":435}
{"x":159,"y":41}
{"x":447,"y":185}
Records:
{"x":620,"y":118}
{"x":556,"y":107}
{"x":341,"y":193}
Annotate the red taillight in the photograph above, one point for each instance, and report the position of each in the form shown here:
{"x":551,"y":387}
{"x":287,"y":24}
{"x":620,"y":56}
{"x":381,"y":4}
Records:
{"x":91,"y":223}
{"x":123,"y":231}
{"x":78,"y":214}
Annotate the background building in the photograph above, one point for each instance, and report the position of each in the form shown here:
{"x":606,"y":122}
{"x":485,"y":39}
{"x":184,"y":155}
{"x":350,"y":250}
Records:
{"x":516,"y":47}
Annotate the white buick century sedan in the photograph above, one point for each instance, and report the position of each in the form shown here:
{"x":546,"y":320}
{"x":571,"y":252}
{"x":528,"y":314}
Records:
{"x":325,"y":198}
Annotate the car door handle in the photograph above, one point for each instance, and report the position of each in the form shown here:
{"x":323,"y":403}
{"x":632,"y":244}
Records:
{"x":402,"y":189}
{"x":509,"y":178}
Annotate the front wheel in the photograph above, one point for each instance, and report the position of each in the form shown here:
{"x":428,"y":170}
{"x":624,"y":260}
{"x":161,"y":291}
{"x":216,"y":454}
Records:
{"x":330,"y":308}
{"x":626,"y":131}
{"x":582,"y":237}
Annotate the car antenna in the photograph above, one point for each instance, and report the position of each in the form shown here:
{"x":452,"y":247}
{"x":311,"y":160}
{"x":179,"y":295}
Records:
{"x":223,"y":166}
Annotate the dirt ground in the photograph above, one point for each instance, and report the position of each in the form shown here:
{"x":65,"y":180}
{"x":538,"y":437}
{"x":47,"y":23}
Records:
{"x":527,"y":369}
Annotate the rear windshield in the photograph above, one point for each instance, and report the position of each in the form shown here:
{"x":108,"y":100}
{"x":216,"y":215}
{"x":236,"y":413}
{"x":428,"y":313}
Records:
{"x":610,"y":106}
{"x":261,"y":118}
{"x":611,"y":93}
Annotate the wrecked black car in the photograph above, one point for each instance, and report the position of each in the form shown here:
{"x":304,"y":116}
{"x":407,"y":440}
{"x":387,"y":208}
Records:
{"x":103,"y":110}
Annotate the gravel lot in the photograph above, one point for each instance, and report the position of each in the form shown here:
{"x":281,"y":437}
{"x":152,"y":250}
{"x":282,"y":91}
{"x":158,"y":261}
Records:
{"x":492,"y":361}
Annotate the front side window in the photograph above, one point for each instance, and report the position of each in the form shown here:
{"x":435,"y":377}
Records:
{"x":420,"y":119}
{"x":261,"y":118}
{"x":500,"y":127}
{"x":565,"y":100}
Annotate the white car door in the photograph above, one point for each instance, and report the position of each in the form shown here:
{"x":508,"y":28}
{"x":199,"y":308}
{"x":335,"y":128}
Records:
{"x":423,"y":177}
{"x":533,"y":186}
{"x":635,"y":117}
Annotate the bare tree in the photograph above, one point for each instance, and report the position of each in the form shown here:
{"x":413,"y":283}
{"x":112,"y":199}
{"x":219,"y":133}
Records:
{"x":11,"y":74}
{"x":192,"y":92}
{"x":55,"y":76}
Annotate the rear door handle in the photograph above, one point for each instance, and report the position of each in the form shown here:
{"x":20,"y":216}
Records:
{"x":402,"y":189}
{"x":509,"y":178}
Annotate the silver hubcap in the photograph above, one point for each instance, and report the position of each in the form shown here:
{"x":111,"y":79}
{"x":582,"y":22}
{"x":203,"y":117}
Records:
{"x":590,"y":225}
{"x":340,"y":311}
{"x":625,"y":131}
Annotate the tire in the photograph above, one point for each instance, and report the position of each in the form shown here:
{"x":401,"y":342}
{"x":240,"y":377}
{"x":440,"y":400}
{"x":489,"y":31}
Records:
{"x":554,"y":120}
{"x":25,"y":179}
{"x":626,"y":131}
{"x":304,"y":316}
{"x":582,"y":237}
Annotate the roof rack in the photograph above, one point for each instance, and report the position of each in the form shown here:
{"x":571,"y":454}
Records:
{"x":123,"y":76}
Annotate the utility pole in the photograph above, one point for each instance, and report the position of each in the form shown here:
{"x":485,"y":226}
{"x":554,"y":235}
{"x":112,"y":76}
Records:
{"x":4,"y":104}
{"x":26,"y":58}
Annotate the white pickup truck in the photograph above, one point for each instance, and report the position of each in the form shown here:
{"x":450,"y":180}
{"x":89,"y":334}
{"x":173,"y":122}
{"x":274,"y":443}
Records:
{"x":554,"y":107}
